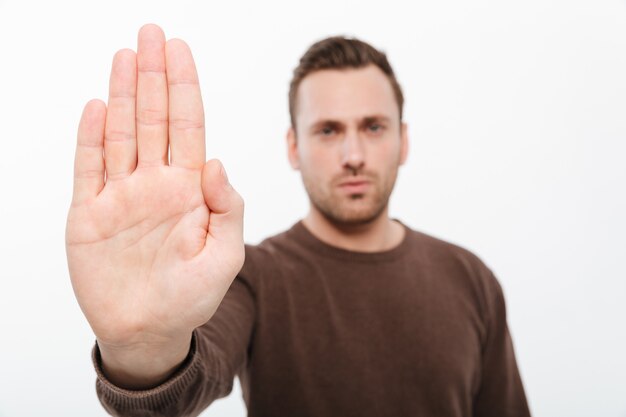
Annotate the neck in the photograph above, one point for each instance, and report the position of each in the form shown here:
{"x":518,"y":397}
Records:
{"x":378,"y":235}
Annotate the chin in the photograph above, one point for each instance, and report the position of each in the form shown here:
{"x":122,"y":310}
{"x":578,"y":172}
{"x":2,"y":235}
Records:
{"x":348,"y":210}
{"x":344,"y":216}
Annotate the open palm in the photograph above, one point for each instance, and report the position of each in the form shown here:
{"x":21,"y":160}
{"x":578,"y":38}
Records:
{"x":154,"y":234}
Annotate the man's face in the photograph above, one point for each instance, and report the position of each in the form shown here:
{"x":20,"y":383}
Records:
{"x":349,"y":142}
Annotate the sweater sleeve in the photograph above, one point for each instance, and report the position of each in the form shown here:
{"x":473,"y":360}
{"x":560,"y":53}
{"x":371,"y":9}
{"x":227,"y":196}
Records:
{"x":217,"y":353}
{"x":501,"y":392}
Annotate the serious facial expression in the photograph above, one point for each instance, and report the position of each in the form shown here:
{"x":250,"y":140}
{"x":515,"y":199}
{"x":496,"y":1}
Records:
{"x":349,"y":142}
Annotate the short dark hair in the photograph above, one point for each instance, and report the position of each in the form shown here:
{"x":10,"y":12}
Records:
{"x":339,"y":52}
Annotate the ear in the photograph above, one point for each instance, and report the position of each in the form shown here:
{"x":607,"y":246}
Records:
{"x":292,"y":149}
{"x":404,"y":143}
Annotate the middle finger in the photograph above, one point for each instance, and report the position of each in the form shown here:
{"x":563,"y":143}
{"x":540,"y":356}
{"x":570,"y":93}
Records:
{"x":152,"y":100}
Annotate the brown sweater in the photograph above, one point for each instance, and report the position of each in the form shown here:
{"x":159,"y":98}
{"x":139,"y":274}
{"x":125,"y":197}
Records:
{"x":313,"y":330}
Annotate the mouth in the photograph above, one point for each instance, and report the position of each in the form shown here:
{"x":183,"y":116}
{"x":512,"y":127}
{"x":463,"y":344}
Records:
{"x":355,"y":186}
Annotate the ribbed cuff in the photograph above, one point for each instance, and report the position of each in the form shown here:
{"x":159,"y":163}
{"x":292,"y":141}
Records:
{"x":157,"y":398}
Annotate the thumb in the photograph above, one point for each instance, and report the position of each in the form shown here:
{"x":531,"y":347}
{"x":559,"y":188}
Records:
{"x":224,"y":203}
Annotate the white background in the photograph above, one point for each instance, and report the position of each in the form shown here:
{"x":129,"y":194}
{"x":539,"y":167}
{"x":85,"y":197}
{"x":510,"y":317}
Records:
{"x":517,"y":122}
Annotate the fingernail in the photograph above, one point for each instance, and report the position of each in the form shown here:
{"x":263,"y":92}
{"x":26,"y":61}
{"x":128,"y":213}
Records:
{"x":224,"y":174}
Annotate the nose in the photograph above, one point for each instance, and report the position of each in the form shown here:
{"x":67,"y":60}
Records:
{"x":353,"y":157}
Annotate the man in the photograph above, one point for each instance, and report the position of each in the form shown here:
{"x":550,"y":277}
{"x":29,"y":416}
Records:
{"x":347,"y":313}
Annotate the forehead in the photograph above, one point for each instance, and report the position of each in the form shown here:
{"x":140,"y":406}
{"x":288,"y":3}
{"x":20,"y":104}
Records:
{"x":345,"y":95}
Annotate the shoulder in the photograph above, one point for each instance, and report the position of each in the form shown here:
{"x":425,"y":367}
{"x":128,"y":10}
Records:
{"x":454,"y":260}
{"x":462,"y":272}
{"x":432,"y":249}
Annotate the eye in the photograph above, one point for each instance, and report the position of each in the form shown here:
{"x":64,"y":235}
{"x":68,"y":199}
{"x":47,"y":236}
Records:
{"x":375,"y":128}
{"x":327,"y":131}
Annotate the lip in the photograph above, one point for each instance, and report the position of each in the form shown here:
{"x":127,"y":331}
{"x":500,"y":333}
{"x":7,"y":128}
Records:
{"x":354,"y":186}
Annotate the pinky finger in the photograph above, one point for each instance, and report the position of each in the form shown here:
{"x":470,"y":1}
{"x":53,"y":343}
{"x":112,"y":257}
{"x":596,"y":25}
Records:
{"x":89,"y":160}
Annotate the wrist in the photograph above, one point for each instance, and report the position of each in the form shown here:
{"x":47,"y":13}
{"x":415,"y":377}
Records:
{"x":143,"y":366}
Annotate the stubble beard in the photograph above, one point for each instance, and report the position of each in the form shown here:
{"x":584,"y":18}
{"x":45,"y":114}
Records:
{"x":343,"y":209}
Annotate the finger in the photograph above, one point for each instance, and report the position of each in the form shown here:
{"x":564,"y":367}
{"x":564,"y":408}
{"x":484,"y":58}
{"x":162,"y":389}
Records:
{"x":120,"y":143}
{"x":89,"y":162}
{"x":186,"y":115}
{"x":151,"y":111}
{"x":224,"y":203}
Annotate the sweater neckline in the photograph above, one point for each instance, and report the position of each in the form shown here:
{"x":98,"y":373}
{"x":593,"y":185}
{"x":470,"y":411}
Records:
{"x":301,"y":234}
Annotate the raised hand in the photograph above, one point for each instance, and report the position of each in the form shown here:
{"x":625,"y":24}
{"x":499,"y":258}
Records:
{"x":153,"y":240}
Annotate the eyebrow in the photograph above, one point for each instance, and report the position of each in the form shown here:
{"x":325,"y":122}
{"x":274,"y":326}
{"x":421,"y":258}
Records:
{"x":336,"y":123}
{"x":376,"y":118}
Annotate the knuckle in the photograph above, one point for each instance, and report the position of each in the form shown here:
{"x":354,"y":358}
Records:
{"x":186,"y":123}
{"x":118,"y":175}
{"x":89,"y":174}
{"x":151,"y":116}
{"x":118,"y":136}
